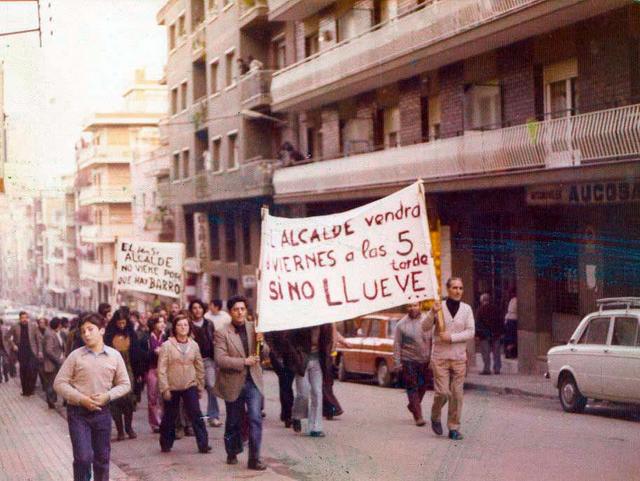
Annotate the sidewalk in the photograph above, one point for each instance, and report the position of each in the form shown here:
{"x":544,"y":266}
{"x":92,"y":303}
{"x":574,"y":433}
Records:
{"x":510,"y":382}
{"x":34,"y":440}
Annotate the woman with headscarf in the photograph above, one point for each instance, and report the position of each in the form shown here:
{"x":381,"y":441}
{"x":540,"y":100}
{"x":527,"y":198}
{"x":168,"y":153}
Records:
{"x":121,"y":336}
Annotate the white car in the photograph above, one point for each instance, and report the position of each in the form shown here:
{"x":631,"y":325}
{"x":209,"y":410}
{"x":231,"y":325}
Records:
{"x":602,"y":358}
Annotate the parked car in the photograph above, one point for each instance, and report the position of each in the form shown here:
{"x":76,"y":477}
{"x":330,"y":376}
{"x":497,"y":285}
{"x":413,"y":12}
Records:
{"x":370,"y":351}
{"x":602,"y":358}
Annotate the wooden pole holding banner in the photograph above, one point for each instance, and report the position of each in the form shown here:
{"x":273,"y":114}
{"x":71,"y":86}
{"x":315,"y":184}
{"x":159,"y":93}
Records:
{"x":264,"y":211}
{"x":440,"y":327}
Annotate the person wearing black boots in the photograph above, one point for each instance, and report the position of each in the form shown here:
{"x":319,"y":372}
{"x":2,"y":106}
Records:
{"x":121,"y":336}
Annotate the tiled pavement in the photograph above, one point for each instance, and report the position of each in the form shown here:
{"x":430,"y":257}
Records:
{"x":34,"y":440}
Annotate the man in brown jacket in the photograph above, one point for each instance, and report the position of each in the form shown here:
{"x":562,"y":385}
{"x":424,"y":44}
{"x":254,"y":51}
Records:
{"x":240,"y":382}
{"x":53,"y":353}
{"x":25,"y":346}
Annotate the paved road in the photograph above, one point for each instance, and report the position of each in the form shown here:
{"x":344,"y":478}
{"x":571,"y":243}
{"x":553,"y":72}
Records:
{"x":507,"y":437}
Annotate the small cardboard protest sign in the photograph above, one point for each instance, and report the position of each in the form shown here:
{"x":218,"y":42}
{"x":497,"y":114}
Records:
{"x":152,"y":267}
{"x":330,"y":268}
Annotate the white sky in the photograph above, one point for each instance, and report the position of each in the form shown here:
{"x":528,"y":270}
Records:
{"x":83,"y":67}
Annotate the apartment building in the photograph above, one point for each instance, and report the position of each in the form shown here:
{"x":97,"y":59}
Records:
{"x":17,"y":248}
{"x":519,"y":115}
{"x":221,"y":139}
{"x":104,"y":211}
{"x":53,"y":248}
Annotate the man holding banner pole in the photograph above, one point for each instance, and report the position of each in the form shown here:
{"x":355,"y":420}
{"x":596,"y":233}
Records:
{"x":449,"y":357}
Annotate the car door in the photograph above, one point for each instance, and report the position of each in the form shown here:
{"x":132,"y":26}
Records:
{"x":586,"y":356}
{"x":621,"y":366}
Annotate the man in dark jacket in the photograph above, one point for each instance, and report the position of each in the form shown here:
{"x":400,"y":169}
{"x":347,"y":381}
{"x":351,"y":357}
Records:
{"x":53,"y":354}
{"x":25,"y":345}
{"x":489,"y":330}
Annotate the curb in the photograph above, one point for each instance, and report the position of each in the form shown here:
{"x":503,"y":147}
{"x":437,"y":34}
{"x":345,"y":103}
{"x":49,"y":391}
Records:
{"x":506,"y":390}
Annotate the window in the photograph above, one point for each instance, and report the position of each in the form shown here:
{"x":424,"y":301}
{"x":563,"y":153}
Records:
{"x":384,"y":10}
{"x":172,"y":36}
{"x":215,"y":287}
{"x":214,"y":236}
{"x":229,"y":69}
{"x":176,"y":166}
{"x":232,"y":152}
{"x":280,"y":53}
{"x":182,"y":31}
{"x":215,"y":154}
{"x":352,"y":23}
{"x":230,"y":239}
{"x":213,"y":77}
{"x":197,"y":13}
{"x":560,"y":94}
{"x":232,"y":287}
{"x":625,"y":332}
{"x":311,"y":141}
{"x":174,"y":101}
{"x":596,"y":332}
{"x":199,"y":83}
{"x":566,"y":286}
{"x":190,"y":247}
{"x":185,"y":163}
{"x":183,"y":95}
{"x":246,"y":238}
{"x":202,"y":155}
{"x":311,"y":44}
{"x":391,"y":126}
{"x":482,"y":107}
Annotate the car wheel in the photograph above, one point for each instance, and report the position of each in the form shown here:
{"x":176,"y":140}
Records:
{"x":383,"y":375}
{"x":571,"y":398}
{"x":342,"y":370}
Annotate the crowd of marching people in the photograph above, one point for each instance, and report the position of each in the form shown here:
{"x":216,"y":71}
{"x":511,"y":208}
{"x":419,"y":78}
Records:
{"x":100,"y":364}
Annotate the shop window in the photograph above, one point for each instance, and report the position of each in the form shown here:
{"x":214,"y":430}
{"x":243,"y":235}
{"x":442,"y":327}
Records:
{"x":232,"y":287}
{"x":566,"y":290}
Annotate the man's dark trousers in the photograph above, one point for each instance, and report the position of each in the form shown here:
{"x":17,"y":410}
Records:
{"x":91,"y":442}
{"x":28,"y":374}
{"x":285,"y":382}
{"x":251,"y":397}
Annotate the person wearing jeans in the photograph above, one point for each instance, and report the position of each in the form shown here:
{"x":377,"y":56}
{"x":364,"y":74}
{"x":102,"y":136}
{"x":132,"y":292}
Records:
{"x":203,"y":331}
{"x":310,"y":348}
{"x":239,"y":382}
{"x":89,"y":379}
{"x":181,"y":376}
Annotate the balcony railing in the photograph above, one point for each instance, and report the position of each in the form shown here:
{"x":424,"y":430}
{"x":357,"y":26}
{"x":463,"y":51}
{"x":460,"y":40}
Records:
{"x":96,"y":272}
{"x":104,"y":233}
{"x":104,"y":195}
{"x":612,"y":134}
{"x":410,"y":31}
{"x":255,"y":89}
{"x":253,"y":13}
{"x":104,"y":154}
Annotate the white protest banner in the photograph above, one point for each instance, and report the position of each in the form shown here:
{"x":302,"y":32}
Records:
{"x":329,"y":268}
{"x":153,"y":267}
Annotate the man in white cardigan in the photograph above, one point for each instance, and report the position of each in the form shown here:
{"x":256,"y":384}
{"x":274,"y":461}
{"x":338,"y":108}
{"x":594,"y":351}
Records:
{"x":449,"y":358}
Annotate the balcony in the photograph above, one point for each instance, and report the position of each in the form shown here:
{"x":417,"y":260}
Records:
{"x":105,"y":195}
{"x":251,"y":179}
{"x":545,"y":149}
{"x":422,"y":39}
{"x":96,"y":272}
{"x":104,"y":154}
{"x":283,"y":10}
{"x":253,"y":13}
{"x":255,"y":89}
{"x":104,"y":234}
{"x":198,"y":42}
